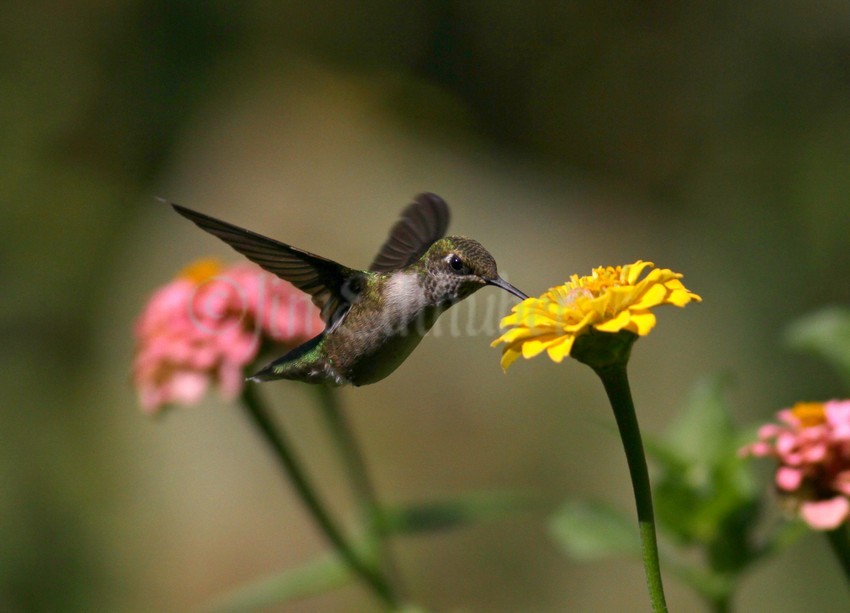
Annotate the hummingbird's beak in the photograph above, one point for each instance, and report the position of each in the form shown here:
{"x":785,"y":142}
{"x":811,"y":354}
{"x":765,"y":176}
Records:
{"x":500,"y":282}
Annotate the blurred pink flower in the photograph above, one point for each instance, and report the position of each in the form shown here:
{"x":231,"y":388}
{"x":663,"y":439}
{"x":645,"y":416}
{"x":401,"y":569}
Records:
{"x":812,"y":445}
{"x":208,"y":324}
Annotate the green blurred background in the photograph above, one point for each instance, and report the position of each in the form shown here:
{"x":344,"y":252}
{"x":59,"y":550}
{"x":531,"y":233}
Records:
{"x":711,"y":138}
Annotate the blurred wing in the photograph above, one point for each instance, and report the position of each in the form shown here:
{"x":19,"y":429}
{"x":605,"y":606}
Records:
{"x":422,"y":223}
{"x":323,"y":279}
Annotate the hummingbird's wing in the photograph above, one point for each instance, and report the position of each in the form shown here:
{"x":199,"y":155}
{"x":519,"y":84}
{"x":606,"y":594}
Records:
{"x":422,"y":223}
{"x":332,"y":286}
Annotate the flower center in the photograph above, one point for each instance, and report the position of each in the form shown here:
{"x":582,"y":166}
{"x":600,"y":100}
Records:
{"x":568,"y":298}
{"x":202,"y":270}
{"x":603,"y":278}
{"x":809,"y":413}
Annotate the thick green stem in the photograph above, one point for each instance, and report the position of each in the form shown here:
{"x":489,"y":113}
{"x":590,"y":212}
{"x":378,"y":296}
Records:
{"x":616,"y":383}
{"x":278,"y":443}
{"x":838,"y":540}
{"x":355,"y":465}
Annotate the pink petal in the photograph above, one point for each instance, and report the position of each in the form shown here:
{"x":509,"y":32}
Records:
{"x":211,"y":305}
{"x":757,"y":449}
{"x":144,"y":364}
{"x":838,"y":418}
{"x":841,"y":432}
{"x":181,"y":350}
{"x":788,"y":478}
{"x":837,"y":411}
{"x":788,"y":417}
{"x":156,"y":348}
{"x":289,"y":315}
{"x":769,"y":431}
{"x":813,"y":434}
{"x":203,"y":357}
{"x":841,"y":482}
{"x":786,"y":442}
{"x":814,"y":454}
{"x":231,"y":379}
{"x":171,"y":298}
{"x":167,"y":304}
{"x":825,"y":514}
{"x":186,"y":387}
{"x":237,"y":345}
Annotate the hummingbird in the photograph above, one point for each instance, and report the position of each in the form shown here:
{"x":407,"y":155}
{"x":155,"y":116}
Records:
{"x":373,"y":318}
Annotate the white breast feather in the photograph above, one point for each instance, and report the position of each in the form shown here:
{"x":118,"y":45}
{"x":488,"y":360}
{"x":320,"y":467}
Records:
{"x":403,"y":297}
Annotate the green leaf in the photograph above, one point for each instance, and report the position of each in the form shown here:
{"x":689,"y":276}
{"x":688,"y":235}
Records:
{"x":588,"y":531}
{"x":663,"y":455}
{"x":704,"y":491}
{"x":454,"y":512}
{"x":825,"y":333}
{"x":321,"y":575}
{"x":703,"y":432}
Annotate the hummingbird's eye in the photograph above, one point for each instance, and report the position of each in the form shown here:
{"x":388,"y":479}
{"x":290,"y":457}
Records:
{"x":456,"y":263}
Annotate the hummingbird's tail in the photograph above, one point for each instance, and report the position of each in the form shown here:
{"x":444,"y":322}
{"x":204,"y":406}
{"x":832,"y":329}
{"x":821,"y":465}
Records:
{"x":300,"y":364}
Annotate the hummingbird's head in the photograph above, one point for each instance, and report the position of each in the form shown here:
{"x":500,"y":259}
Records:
{"x":458,"y":266}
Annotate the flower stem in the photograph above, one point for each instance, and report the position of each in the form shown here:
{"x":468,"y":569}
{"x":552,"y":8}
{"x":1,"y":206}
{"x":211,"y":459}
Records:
{"x":838,"y":540}
{"x":355,"y":465}
{"x":616,"y":383}
{"x":276,"y":439}
{"x":720,"y":605}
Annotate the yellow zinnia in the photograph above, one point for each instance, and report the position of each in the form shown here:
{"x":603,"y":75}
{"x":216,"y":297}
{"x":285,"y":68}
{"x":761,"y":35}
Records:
{"x":612,"y":299}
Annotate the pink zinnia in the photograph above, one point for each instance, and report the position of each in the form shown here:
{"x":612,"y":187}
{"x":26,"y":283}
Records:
{"x":812,"y":445}
{"x":208,"y":325}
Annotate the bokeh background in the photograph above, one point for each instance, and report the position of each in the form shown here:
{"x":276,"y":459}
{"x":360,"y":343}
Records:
{"x":711,"y":138}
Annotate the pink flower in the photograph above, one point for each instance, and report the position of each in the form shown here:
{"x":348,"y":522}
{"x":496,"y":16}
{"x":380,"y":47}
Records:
{"x":812,"y":445}
{"x":208,"y":325}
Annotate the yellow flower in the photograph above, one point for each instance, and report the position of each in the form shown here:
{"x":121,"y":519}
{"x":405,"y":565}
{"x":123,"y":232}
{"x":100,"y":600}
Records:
{"x":613,"y":299}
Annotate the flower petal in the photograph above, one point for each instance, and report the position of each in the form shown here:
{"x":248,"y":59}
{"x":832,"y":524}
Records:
{"x":642,"y":323}
{"x":558,"y":351}
{"x":788,"y":478}
{"x":616,"y":324}
{"x":509,"y":356}
{"x":825,"y":514}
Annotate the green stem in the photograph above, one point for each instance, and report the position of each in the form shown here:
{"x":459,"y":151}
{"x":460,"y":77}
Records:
{"x":616,"y":383}
{"x":355,"y":465}
{"x":276,"y":439}
{"x":721,"y":605}
{"x":838,"y":540}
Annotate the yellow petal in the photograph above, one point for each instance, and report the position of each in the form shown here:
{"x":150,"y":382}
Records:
{"x":682,"y":297}
{"x":536,"y":346}
{"x":616,"y":324}
{"x":642,"y":323}
{"x":560,"y":350}
{"x":635,"y":270}
{"x":509,"y":356}
{"x":653,"y":296}
{"x":513,"y":335}
{"x":539,"y":320}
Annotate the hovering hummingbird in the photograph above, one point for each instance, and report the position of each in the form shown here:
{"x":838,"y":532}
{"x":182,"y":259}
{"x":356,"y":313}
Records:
{"x":373,"y":318}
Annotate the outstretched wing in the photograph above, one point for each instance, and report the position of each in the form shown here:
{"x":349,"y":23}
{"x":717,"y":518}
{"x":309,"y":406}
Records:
{"x":331,"y":285}
{"x":422,"y":223}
